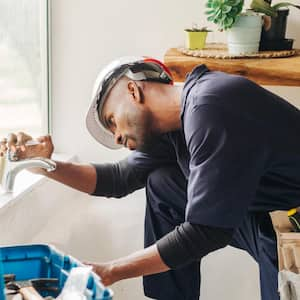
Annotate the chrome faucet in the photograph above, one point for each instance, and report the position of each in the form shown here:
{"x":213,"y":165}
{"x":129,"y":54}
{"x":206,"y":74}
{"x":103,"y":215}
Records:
{"x":15,"y":166}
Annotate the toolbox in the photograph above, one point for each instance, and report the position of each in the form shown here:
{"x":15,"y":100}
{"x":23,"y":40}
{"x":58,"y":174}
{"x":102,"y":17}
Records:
{"x":288,"y":246}
{"x":45,"y":261}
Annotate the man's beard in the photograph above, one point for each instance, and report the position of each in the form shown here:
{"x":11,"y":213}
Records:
{"x":144,"y":140}
{"x":145,"y":137}
{"x":148,"y":142}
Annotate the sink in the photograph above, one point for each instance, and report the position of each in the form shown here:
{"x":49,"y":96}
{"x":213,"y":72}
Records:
{"x":24,"y":182}
{"x":16,"y":177}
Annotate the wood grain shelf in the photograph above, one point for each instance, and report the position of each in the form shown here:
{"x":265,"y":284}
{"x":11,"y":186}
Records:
{"x":264,"y":71}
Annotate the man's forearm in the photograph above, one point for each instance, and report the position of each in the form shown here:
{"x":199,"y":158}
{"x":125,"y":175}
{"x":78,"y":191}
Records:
{"x":143,"y":262}
{"x":81,"y":177}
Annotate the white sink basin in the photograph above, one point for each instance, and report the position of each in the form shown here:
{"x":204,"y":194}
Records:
{"x":23,"y":182}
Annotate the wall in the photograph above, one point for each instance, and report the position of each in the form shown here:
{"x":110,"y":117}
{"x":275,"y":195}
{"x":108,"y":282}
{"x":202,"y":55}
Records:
{"x":85,"y":36}
{"x":88,"y":34}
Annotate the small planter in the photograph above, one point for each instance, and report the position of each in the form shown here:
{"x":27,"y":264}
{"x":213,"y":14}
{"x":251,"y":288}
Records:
{"x":244,"y":36}
{"x":195,"y":39}
{"x":278,"y":26}
{"x":273,"y":37}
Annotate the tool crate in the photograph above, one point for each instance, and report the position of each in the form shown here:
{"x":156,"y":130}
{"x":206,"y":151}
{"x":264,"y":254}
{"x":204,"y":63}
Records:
{"x":288,"y":247}
{"x":45,"y":261}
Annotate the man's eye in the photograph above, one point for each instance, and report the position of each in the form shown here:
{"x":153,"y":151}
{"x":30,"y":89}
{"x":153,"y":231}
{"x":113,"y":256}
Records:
{"x":110,"y":121}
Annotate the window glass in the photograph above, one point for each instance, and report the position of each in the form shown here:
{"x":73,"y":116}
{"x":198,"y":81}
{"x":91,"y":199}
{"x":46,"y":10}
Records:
{"x":23,"y":67}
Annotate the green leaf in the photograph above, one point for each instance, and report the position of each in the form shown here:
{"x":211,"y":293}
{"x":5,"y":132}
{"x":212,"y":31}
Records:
{"x":234,"y":11}
{"x":228,"y":22}
{"x":217,"y":15}
{"x":215,"y":5}
{"x":209,"y":12}
{"x":210,"y":18}
{"x":263,"y":7}
{"x":233,"y":2}
{"x":226,"y":9}
{"x":284,"y":4}
{"x":223,"y":18}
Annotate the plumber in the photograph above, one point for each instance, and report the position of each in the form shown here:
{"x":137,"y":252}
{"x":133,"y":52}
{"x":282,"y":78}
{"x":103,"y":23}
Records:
{"x":215,"y":155}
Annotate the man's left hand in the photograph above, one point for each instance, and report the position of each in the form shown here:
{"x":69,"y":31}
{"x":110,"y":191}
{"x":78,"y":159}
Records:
{"x":104,"y":271}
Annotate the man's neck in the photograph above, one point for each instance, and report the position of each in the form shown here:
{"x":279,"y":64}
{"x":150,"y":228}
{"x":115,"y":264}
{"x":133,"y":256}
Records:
{"x":166,"y":107}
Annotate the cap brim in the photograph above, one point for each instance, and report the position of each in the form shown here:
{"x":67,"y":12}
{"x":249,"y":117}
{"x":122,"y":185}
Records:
{"x":97,"y":130}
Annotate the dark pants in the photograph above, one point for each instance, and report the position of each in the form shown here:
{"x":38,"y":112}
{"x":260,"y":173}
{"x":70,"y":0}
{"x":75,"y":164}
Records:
{"x":166,"y":202}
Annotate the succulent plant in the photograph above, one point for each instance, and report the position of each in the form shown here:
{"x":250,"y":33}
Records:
{"x":196,"y":28}
{"x":223,"y":12}
{"x":264,"y":7}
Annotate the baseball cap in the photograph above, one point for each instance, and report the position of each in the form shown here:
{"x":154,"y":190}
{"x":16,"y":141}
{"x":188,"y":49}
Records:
{"x":135,"y":68}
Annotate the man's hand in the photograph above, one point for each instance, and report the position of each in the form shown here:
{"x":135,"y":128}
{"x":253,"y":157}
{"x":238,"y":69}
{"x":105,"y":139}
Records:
{"x":17,"y":143}
{"x":143,"y":262}
{"x":104,"y":271}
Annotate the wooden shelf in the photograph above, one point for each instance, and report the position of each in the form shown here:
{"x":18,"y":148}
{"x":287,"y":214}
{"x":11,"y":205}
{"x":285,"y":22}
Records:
{"x":264,"y":71}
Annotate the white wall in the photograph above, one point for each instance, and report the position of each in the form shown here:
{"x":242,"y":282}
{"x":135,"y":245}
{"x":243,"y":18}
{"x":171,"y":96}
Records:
{"x":86,"y":34}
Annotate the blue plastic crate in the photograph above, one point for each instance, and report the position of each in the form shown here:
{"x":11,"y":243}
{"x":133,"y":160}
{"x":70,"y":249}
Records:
{"x":45,"y":261}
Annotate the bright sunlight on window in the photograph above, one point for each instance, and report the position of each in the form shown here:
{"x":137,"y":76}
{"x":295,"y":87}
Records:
{"x":23,"y":66}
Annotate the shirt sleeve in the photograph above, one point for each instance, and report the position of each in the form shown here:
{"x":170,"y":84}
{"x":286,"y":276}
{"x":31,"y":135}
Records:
{"x":124,"y":177}
{"x":190,"y":242}
{"x":117,"y":179}
{"x":227,"y":159}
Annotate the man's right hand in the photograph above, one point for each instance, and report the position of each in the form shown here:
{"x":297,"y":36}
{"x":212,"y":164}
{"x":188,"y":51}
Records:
{"x":17,"y":143}
{"x":82,"y":177}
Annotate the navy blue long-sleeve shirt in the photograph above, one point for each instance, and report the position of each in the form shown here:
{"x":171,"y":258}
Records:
{"x":239,"y":150}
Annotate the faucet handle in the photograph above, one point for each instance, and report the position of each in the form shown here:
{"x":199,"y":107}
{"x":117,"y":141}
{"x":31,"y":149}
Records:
{"x":51,"y":163}
{"x":12,"y":156}
{"x":39,"y":162}
{"x":17,"y":166}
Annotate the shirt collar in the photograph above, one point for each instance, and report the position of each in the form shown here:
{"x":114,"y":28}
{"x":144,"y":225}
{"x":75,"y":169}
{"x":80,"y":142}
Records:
{"x":190,"y":80}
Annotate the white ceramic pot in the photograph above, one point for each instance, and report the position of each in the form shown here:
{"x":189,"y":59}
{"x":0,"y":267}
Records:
{"x":244,"y":36}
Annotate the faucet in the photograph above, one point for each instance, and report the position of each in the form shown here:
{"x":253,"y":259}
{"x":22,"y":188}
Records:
{"x":17,"y":166}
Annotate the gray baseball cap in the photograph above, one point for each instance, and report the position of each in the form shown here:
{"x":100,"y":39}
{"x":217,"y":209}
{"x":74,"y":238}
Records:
{"x":135,"y":68}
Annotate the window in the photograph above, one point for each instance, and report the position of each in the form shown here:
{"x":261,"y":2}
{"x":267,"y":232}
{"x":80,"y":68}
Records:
{"x":24,"y":67}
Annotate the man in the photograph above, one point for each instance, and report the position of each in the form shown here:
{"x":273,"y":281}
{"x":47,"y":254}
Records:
{"x":216,"y":156}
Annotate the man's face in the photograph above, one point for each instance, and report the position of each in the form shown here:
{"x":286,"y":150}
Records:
{"x":129,"y":120}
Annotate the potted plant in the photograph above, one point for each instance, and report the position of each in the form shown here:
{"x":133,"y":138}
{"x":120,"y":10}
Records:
{"x":196,"y":37}
{"x":274,"y":29}
{"x":243,"y":28}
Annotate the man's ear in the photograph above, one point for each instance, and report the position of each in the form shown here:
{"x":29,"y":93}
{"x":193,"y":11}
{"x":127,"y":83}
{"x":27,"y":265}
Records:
{"x":135,"y":91}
